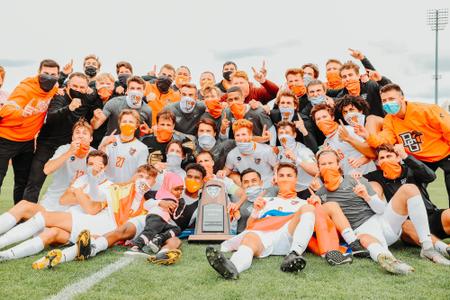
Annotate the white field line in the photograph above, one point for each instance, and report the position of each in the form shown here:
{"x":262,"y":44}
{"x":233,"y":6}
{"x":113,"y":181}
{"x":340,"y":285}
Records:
{"x":85,"y":284}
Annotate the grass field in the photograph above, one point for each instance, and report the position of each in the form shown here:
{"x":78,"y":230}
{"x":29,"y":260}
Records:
{"x":192,"y":278}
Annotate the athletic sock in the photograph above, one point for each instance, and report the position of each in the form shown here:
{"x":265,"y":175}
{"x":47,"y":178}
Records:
{"x":242,"y":258}
{"x":27,"y":248}
{"x":375,"y":249}
{"x":418,"y":215}
{"x":23,"y":231}
{"x":69,"y":253}
{"x":349,"y":235}
{"x":98,"y":245}
{"x":441,"y":247}
{"x":7,"y":221}
{"x":303,"y":233}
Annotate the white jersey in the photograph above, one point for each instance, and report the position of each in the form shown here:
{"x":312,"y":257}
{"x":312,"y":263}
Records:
{"x":348,"y":151}
{"x":262,"y":160}
{"x":97,"y":196}
{"x":303,"y":155}
{"x":276,"y":206}
{"x":124,"y":159}
{"x":73,"y":168}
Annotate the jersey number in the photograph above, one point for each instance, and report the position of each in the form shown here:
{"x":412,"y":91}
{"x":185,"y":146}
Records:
{"x":119,"y":162}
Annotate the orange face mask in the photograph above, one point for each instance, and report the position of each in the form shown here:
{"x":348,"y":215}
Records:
{"x":331,"y":178}
{"x":238,"y":110}
{"x":334,"y":80}
{"x":327,"y":126}
{"x":82,"y":150}
{"x":163,"y":135}
{"x":214,"y":107}
{"x":286,"y":188}
{"x":192,"y":185}
{"x":391,"y":170}
{"x":104,"y":93}
{"x":181,"y":79}
{"x":298,"y":90}
{"x":353,"y":87}
{"x":127,"y":129}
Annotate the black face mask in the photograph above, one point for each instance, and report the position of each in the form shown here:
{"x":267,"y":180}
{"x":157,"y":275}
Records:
{"x":123,"y":79}
{"x":227,"y":75}
{"x":47,"y":82}
{"x":76,"y":94}
{"x":90,"y":71}
{"x":163,"y":84}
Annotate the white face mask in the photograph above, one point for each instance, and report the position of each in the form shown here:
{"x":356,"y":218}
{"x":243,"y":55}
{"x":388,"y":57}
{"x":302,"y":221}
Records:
{"x":142,"y":186}
{"x":287,"y":113}
{"x":245,"y":147}
{"x":134,"y":99}
{"x":187,"y":104}
{"x":353,"y":118}
{"x":173,"y":161}
{"x":206,"y":141}
{"x":96,"y":179}
{"x":287,"y":141}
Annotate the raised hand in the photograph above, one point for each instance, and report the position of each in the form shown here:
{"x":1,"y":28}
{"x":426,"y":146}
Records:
{"x":266,"y":134}
{"x":259,"y":203}
{"x":74,"y":104}
{"x":225,"y":124}
{"x":68,"y":68}
{"x":361,"y":191}
{"x":315,"y":183}
{"x":145,"y":129}
{"x":343,"y":132}
{"x":152,"y":72}
{"x":259,"y":75}
{"x":356,"y":54}
{"x":374,"y":75}
{"x":313,"y":199}
{"x":110,"y":139}
{"x":254,"y":104}
{"x":361,"y":131}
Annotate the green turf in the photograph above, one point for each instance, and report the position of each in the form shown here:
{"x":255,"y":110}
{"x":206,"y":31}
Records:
{"x":192,"y":278}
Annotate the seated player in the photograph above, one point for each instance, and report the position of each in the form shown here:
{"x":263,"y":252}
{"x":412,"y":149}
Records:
{"x":279,"y":225}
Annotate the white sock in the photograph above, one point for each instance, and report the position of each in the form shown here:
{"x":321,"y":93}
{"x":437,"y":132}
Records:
{"x":376,"y":249}
{"x":23,"y":231}
{"x":27,"y":248}
{"x":418,"y":215}
{"x":69,"y":253}
{"x":303,"y":233}
{"x":349,"y":235}
{"x":7,"y":221}
{"x":441,"y":247}
{"x":98,"y":245}
{"x":242,"y":258}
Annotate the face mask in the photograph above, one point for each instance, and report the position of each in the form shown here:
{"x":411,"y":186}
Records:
{"x":142,"y":186}
{"x":391,"y":107}
{"x":286,"y":188}
{"x":298,"y":90}
{"x":187,"y":104}
{"x":181,"y":79}
{"x":104,"y":93}
{"x":192,"y":185}
{"x":214,"y":107}
{"x":90,"y":71}
{"x":206,"y":141}
{"x":307,"y":79}
{"x":127,"y":129}
{"x":227,"y":75}
{"x":334,"y":80}
{"x":287,"y":113}
{"x":76,"y":94}
{"x":354,"y":118}
{"x":287,"y":141}
{"x":47,"y":82}
{"x":253,"y":192}
{"x":97,"y":179}
{"x":317,"y":100}
{"x":173,"y":161}
{"x":327,"y":126}
{"x":163,"y":84}
{"x":246,"y":147}
{"x":163,"y":135}
{"x":391,"y":170}
{"x":238,"y":110}
{"x":82,"y":150}
{"x":123,"y":79}
{"x":134,"y":99}
{"x":353,"y":87}
{"x":331,"y":178}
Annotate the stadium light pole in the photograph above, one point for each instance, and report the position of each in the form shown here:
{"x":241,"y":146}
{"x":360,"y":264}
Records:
{"x":437,"y":19}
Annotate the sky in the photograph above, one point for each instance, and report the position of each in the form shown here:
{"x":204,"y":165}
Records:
{"x":394,"y":35}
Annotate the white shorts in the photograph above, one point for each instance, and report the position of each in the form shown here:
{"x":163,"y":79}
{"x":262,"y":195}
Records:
{"x":276,"y":242}
{"x":98,"y":224}
{"x":139,"y":223}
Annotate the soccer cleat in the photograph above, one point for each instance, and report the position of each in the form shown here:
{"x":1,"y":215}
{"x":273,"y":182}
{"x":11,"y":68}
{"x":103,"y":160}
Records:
{"x":135,"y":251}
{"x":83,"y":245}
{"x":358,"y":250}
{"x":433,"y":255}
{"x":165,"y":258}
{"x":50,"y":260}
{"x":393,"y":265}
{"x":293,"y":263}
{"x":155,"y":243}
{"x":221,"y":264}
{"x":335,"y":258}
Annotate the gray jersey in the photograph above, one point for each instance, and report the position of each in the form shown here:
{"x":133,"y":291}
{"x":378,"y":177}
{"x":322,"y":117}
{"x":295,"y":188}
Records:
{"x":113,"y":108}
{"x":187,"y":123}
{"x":355,"y":208}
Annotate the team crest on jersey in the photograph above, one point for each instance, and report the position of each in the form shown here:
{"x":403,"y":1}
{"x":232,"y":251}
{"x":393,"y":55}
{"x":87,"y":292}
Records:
{"x":257,"y":161}
{"x":280,"y":208}
{"x":403,"y":181}
{"x":412,"y":140}
{"x":132,"y":151}
{"x":72,"y":158}
{"x":239,"y":158}
{"x":294,"y":202}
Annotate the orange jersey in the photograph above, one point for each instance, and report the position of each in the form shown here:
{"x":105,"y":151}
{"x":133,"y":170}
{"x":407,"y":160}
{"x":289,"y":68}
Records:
{"x":158,"y":101}
{"x":121,"y":200}
{"x":424,"y":132}
{"x":14,"y":125}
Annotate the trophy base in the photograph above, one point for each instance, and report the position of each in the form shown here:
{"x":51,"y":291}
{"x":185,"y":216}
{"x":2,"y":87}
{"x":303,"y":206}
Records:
{"x":209,"y":238}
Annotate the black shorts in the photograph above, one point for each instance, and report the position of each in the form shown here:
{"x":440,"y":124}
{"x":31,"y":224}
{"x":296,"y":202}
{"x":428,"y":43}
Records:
{"x":435,"y":222}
